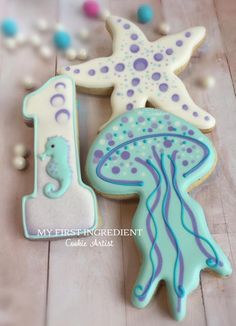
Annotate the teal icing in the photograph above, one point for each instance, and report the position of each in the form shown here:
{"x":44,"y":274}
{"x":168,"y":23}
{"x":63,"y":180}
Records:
{"x":57,"y":148}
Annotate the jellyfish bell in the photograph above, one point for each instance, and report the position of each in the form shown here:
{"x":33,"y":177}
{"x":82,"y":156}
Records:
{"x":159,"y":157}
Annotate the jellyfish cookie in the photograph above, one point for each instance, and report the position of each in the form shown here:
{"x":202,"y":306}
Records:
{"x":61,"y":205}
{"x":139,"y":71}
{"x":159,"y":157}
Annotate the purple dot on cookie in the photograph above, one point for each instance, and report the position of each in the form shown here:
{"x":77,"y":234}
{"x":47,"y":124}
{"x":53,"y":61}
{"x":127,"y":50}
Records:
{"x":166,"y":116}
{"x":76,"y":71}
{"x":185,"y":107}
{"x":140,"y":64}
{"x":187,"y":34}
{"x":125,"y":155}
{"x":189,"y":150}
{"x":91,"y":72}
{"x":175,"y":97}
{"x":154,"y":125}
{"x":130,"y":134}
{"x":126,"y":26}
{"x":124,"y":119}
{"x":115,"y":169}
{"x":163,"y":87}
{"x":130,"y":92}
{"x":98,"y":153}
{"x":104,"y":69}
{"x":141,"y":119}
{"x":134,"y":48}
{"x":195,"y":114}
{"x":67,"y":68}
{"x":169,"y":51}
{"x":167,"y":143}
{"x":119,"y":67}
{"x":158,"y":56}
{"x":135,"y":81}
{"x":156,"y":76}
{"x":191,"y":132}
{"x":108,"y":136}
{"x":185,"y":163}
{"x":134,"y":37}
{"x":207,"y":118}
{"x":111,"y":142}
{"x":134,"y":170}
{"x":129,"y":106}
{"x":179,"y":43}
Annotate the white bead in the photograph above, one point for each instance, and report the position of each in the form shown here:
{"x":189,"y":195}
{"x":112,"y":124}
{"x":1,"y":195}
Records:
{"x":45,"y":52}
{"x":42,"y":25}
{"x":207,"y":82}
{"x":71,"y":54}
{"x":28,"y":83}
{"x":59,"y":27}
{"x":82,"y":54}
{"x":35,"y":40}
{"x":164,"y":28}
{"x":83,"y":34}
{"x":20,"y":150}
{"x":19,"y":162}
{"x":104,"y":14}
{"x":21,"y":39}
{"x":10,"y":43}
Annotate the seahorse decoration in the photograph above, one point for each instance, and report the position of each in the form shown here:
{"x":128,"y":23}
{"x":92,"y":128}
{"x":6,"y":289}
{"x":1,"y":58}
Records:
{"x":158,"y":157}
{"x":58,"y":167}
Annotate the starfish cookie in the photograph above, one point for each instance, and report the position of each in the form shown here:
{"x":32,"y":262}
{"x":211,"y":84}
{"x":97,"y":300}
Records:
{"x":140,"y":71}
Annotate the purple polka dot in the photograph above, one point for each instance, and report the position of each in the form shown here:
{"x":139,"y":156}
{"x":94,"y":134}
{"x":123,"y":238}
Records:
{"x":140,"y":64}
{"x":179,"y":43}
{"x":124,"y":119}
{"x":190,"y":132}
{"x":134,"y":170}
{"x":126,"y":26}
{"x":163,"y":87}
{"x":91,"y":72}
{"x":104,"y":69}
{"x":158,"y":56}
{"x":167,"y":143}
{"x":67,"y":68}
{"x":195,"y":114}
{"x":130,"y":92}
{"x":111,"y":143}
{"x":156,"y":76}
{"x":129,"y":106}
{"x":170,"y":128}
{"x":207,"y":118}
{"x":98,"y":153}
{"x":185,"y":107}
{"x":141,"y":119}
{"x":119,"y":67}
{"x":154,"y":125}
{"x":76,"y":71}
{"x":115,"y":169}
{"x":134,"y":48}
{"x":185,"y":163}
{"x":169,"y":51}
{"x":175,"y":97}
{"x":189,"y":150}
{"x":108,"y":136}
{"x":125,"y":155}
{"x":149,"y":129}
{"x":166,"y":116}
{"x":135,"y":81}
{"x":184,"y":128}
{"x":187,"y":34}
{"x":134,"y":37}
{"x":130,"y":134}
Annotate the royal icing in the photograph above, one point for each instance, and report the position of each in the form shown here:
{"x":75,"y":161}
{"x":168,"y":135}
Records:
{"x":61,"y":205}
{"x":158,"y":156}
{"x":140,"y":71}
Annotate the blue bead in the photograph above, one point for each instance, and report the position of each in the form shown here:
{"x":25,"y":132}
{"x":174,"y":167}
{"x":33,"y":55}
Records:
{"x":62,"y":40}
{"x":145,"y":14}
{"x":9,"y":27}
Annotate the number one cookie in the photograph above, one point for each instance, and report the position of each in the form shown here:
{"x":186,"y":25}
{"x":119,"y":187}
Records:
{"x":61,"y":205}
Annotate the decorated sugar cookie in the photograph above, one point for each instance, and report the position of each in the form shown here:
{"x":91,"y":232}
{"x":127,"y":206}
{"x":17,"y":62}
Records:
{"x":61,"y":205}
{"x":139,"y":71}
{"x":159,"y":157}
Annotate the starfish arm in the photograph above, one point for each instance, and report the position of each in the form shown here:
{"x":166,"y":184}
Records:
{"x":124,"y":100}
{"x":175,"y":99}
{"x":177,"y":49}
{"x":124,"y":32}
{"x":94,"y":76}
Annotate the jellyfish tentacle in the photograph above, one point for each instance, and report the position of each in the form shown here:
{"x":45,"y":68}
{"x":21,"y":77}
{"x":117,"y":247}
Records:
{"x":141,"y":292}
{"x":211,"y":261}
